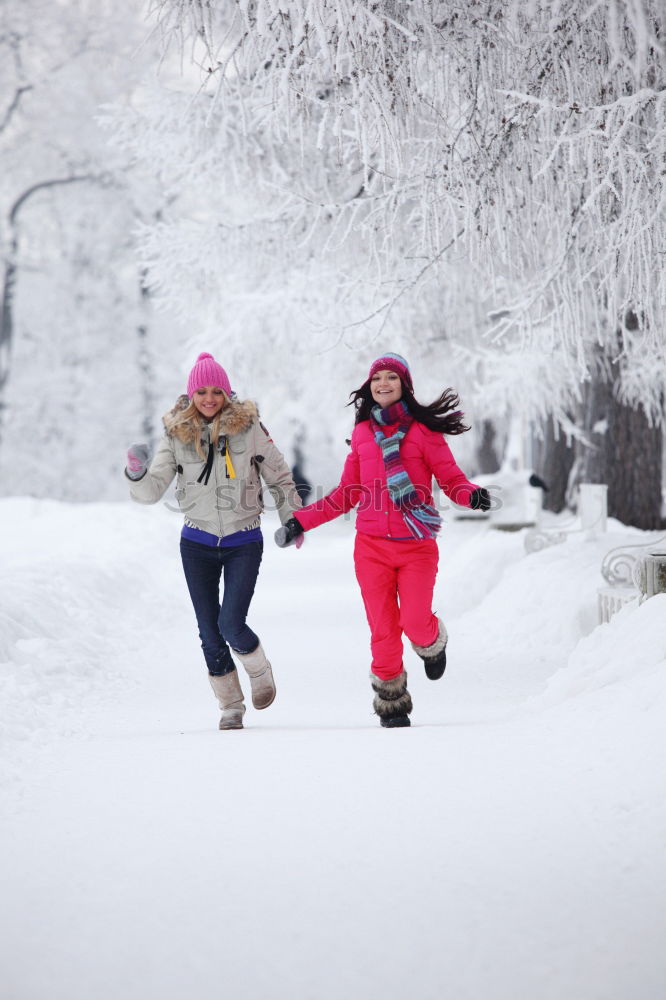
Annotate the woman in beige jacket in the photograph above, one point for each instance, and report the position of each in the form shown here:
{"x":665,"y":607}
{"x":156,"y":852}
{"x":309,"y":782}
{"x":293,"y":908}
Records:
{"x":218,"y":452}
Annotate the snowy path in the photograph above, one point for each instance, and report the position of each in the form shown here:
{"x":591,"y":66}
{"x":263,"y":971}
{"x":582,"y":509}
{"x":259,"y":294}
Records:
{"x":511,"y":844}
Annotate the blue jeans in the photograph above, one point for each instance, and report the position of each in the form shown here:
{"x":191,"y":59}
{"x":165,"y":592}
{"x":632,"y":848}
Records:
{"x":222,"y":625}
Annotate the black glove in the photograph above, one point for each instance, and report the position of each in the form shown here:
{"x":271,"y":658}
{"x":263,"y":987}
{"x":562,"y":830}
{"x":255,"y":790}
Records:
{"x":289,"y":533}
{"x":480,"y":499}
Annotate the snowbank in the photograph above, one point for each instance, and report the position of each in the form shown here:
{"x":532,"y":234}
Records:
{"x":77,"y":593}
{"x":629,"y":651}
{"x":510,"y":844}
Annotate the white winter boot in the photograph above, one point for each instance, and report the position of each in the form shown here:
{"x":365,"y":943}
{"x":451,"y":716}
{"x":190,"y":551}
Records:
{"x":230,"y":698}
{"x":261,"y":676}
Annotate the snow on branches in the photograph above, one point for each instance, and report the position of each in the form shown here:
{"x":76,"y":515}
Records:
{"x":377,"y":148}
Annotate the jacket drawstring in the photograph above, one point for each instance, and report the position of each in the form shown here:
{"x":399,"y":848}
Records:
{"x":206,"y":471}
{"x":228,"y":465}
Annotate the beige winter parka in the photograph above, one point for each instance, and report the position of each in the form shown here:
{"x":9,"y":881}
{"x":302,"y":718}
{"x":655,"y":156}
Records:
{"x":226,"y":503}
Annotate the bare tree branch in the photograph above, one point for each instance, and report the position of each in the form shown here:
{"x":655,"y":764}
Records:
{"x":14,"y":106}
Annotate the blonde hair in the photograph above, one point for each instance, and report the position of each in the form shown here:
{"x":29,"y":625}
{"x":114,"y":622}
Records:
{"x":186,"y":423}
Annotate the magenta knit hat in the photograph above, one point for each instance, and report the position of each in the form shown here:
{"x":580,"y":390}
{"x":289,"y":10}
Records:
{"x":393,"y":363}
{"x":206,"y":371}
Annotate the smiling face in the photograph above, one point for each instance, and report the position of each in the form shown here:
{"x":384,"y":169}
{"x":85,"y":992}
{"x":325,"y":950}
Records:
{"x":209,"y":400}
{"x":386,"y":387}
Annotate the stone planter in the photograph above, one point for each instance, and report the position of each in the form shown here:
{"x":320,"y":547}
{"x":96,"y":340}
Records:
{"x":652,"y":574}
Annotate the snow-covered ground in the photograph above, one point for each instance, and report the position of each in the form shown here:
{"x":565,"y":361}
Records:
{"x":510,"y":845}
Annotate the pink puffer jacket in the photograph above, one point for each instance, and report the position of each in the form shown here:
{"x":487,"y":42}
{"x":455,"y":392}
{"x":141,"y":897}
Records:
{"x":423,"y":452}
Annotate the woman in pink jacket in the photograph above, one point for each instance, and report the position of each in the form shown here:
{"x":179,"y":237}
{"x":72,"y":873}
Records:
{"x":397,"y":446}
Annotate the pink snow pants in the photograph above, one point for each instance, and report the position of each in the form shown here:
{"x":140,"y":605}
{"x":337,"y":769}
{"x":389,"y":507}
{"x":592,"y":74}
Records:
{"x":397,"y":580}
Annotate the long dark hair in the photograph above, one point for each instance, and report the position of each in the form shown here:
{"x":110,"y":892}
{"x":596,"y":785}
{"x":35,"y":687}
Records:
{"x":441,"y":415}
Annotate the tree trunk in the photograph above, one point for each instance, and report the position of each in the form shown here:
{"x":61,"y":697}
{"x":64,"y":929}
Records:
{"x":625,"y":452}
{"x":10,"y":278}
{"x":7,"y":319}
{"x":144,"y":361}
{"x":487,"y":460}
{"x":554,"y":459}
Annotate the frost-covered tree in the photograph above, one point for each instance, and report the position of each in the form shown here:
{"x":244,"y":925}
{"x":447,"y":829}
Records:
{"x":73,"y":316}
{"x":482,"y":183}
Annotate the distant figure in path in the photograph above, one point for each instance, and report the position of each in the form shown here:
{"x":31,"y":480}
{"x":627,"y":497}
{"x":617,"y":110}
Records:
{"x":217,"y":449}
{"x":397,"y":446}
{"x":303,"y":484}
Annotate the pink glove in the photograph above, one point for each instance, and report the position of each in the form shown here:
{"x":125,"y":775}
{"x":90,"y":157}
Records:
{"x":137,"y":460}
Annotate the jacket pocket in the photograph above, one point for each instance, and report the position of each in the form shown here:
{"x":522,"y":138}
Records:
{"x":189,"y":472}
{"x":249,"y":498}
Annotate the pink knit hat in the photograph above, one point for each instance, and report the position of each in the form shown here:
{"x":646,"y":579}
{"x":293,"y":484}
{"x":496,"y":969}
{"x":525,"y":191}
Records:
{"x":393,"y":363}
{"x":206,"y":371}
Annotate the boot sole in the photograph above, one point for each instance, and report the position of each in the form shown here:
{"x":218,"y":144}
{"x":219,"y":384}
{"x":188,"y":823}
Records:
{"x":231,"y":723}
{"x":397,"y":722}
{"x":264,"y":704}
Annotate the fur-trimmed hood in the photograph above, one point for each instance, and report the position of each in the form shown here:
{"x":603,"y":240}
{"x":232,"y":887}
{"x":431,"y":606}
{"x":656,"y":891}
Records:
{"x":236,"y":418}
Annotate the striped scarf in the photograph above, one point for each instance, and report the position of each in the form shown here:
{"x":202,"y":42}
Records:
{"x":422,"y":519}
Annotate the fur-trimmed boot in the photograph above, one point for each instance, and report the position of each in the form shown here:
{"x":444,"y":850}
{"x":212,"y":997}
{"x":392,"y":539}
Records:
{"x":392,"y":701}
{"x":229,"y":695}
{"x":261,"y":676}
{"x":434,"y":657}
